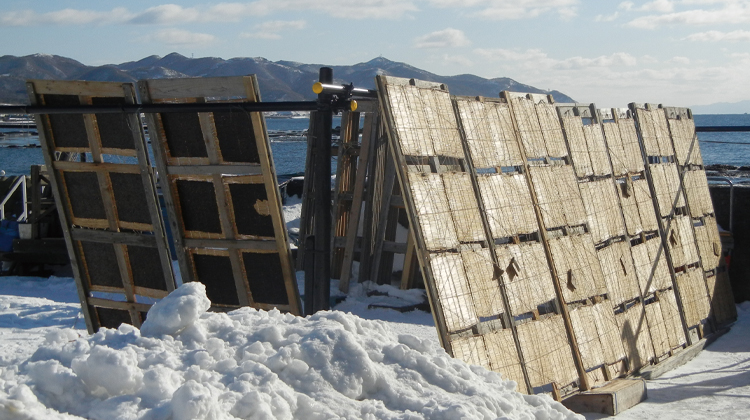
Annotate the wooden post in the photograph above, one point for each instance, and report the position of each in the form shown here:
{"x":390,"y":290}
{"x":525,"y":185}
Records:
{"x":322,"y":277}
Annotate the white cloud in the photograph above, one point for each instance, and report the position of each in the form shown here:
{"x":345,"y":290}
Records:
{"x":679,"y":60}
{"x":446,"y":38}
{"x":167,"y":14}
{"x":606,"y":18}
{"x":661,"y":6}
{"x":179,"y":37}
{"x":64,"y":17}
{"x":620,"y":78}
{"x":174,"y":14}
{"x":718,"y":36}
{"x":512,"y":9}
{"x":537,"y":58}
{"x":272,"y":29}
{"x":345,"y":9}
{"x":723,"y":12}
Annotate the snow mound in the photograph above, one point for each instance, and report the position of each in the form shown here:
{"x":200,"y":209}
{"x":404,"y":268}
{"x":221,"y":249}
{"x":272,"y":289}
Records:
{"x":177,"y":311}
{"x":187,"y":363}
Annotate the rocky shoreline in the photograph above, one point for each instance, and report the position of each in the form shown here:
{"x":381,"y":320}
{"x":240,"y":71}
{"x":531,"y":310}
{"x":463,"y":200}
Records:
{"x":732,"y":171}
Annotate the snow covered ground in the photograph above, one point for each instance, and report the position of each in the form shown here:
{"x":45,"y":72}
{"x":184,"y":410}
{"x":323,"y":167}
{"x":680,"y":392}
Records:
{"x":186,"y":363}
{"x":716,"y":384}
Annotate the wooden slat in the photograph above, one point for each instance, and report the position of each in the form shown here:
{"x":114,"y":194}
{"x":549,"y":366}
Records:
{"x":95,"y":167}
{"x":369,"y":134}
{"x":213,"y":169}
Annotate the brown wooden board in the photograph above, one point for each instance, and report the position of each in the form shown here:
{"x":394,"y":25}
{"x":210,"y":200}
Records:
{"x":113,"y":194}
{"x":221,"y":193}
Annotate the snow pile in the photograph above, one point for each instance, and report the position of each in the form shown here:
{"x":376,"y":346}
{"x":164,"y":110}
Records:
{"x":191,"y":364}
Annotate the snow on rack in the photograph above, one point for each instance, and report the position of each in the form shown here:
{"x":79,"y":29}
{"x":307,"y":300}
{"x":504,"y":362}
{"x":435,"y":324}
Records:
{"x":187,"y":363}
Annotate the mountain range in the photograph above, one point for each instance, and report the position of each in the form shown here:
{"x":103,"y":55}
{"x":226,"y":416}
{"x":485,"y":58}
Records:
{"x":742,"y":107}
{"x":278,"y":80}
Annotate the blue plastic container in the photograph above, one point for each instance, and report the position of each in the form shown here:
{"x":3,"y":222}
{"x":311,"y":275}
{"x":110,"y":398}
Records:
{"x":8,"y":232}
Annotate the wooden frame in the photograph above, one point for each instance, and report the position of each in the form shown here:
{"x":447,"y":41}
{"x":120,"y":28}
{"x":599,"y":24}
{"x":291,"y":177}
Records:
{"x":115,"y":199}
{"x":211,"y":165}
{"x":607,"y":338}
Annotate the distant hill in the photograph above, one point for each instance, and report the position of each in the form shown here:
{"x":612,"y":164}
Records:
{"x":742,"y":107}
{"x":279,"y":81}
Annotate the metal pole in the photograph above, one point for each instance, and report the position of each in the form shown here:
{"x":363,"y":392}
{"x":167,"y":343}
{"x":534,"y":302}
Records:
{"x":161,"y":108}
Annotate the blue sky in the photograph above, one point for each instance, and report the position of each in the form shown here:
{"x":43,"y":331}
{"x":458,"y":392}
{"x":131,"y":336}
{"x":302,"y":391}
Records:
{"x":676,"y":52}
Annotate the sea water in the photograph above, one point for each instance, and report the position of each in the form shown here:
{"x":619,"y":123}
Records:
{"x":731,"y":148}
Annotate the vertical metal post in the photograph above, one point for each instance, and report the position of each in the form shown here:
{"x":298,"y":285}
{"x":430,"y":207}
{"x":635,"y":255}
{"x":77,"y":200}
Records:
{"x":322,"y":270}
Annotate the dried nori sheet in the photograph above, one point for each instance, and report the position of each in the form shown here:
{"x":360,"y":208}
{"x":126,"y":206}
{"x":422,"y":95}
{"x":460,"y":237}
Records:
{"x":114,"y":130}
{"x":198,"y":205}
{"x":112,"y":318}
{"x":184,"y":134}
{"x":145,"y":264}
{"x":265,"y":278}
{"x":101,"y":264}
{"x":68,"y":130}
{"x":215,"y":272}
{"x":84,"y":195}
{"x":130,"y":198}
{"x":236,"y":136}
{"x":246,"y":200}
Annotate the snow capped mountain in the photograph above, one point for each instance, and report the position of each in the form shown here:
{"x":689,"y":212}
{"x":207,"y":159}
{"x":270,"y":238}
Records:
{"x":280,"y":80}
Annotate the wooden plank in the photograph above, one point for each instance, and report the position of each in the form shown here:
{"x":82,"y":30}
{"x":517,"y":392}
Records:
{"x":308,"y":202}
{"x":77,"y":88}
{"x":410,"y":264}
{"x":215,"y":87}
{"x":655,"y":371}
{"x":249,"y":244}
{"x":346,"y":171}
{"x":102,"y":236}
{"x":129,"y":306}
{"x":213,"y":169}
{"x":95,"y":167}
{"x":369,"y":133}
{"x":389,"y":181}
{"x":611,"y":399}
